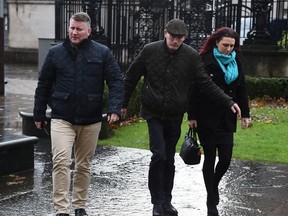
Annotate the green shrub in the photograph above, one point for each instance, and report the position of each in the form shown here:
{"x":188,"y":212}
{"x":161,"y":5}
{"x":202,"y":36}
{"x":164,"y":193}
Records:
{"x":272,"y":87}
{"x":283,"y":43}
{"x":134,"y":103}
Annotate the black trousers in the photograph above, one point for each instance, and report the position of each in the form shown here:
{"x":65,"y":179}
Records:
{"x":163,"y":135}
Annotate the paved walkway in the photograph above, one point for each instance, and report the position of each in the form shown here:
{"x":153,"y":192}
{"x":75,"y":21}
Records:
{"x":119,"y":175}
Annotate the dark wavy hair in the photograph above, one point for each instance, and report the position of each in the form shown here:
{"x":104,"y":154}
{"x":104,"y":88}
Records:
{"x":210,"y":42}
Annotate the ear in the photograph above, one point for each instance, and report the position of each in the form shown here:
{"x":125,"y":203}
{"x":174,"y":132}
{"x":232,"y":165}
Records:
{"x":165,"y":32}
{"x":89,"y":31}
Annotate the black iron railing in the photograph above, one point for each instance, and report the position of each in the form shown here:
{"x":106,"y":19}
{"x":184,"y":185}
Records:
{"x":126,"y":25}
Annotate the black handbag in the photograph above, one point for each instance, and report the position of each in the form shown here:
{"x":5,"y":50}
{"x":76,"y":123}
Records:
{"x":190,"y":151}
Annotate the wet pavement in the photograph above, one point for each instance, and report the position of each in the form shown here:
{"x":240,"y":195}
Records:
{"x":119,"y":175}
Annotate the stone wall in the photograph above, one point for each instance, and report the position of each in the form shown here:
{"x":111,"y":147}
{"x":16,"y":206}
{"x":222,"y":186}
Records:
{"x":266,"y":63}
{"x":30,"y":20}
{"x":33,"y":20}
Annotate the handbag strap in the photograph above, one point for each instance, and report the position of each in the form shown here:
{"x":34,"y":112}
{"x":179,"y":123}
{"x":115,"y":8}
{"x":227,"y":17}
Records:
{"x":192,"y":133}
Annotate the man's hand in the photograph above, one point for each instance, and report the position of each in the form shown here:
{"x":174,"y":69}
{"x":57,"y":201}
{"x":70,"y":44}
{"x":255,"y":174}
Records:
{"x":40,"y":125}
{"x":236,"y":109}
{"x":112,"y":118}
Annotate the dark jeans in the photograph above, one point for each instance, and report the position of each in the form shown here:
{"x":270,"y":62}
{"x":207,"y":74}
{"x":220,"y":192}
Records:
{"x":163,"y":135}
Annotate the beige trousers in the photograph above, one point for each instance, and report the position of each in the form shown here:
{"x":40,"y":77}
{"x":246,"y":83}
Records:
{"x":65,"y":138}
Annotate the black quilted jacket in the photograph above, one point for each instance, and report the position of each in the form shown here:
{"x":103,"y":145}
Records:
{"x":75,"y":81}
{"x":168,"y":79}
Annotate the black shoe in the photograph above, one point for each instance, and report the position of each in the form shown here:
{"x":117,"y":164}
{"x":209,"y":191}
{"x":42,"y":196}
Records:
{"x":62,"y":214}
{"x":158,"y":210}
{"x":80,"y":212}
{"x":169,"y":209}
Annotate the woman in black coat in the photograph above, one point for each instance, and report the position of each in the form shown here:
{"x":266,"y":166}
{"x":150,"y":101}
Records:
{"x":216,"y":124}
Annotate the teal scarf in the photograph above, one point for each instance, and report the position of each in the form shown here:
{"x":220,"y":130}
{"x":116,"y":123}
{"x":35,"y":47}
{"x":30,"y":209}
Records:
{"x":228,"y":65}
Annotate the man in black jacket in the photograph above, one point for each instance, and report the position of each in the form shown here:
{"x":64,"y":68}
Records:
{"x":73,"y":76}
{"x":170,"y":69}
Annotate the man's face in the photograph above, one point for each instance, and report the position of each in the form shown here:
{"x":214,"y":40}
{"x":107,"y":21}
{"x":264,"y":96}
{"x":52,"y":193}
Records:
{"x":174,"y":41}
{"x":78,"y":31}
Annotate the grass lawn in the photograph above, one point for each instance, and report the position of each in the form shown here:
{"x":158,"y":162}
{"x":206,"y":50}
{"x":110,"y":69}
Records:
{"x":265,"y":140}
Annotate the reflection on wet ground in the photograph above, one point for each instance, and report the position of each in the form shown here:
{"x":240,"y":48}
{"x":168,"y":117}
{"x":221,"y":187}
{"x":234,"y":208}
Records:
{"x":119,"y":186}
{"x":21,"y":82}
{"x":119,"y":176}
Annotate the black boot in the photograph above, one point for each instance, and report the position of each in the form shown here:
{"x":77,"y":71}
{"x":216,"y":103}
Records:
{"x":212,"y":210}
{"x":212,"y":206}
{"x":169,"y":209}
{"x":158,"y":210}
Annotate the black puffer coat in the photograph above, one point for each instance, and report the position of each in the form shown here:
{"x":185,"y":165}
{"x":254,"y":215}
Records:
{"x":211,"y":116}
{"x":76,"y":80}
{"x":168,"y":79}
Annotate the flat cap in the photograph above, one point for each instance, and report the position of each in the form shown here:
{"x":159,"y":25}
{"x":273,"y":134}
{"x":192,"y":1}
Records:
{"x":176,"y":27}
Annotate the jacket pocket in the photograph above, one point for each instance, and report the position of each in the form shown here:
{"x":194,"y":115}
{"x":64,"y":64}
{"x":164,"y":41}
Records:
{"x":61,"y":103}
{"x":94,"y":97}
{"x":91,"y":107}
{"x":151,"y":98}
{"x":94,"y":60}
{"x":94,"y":68}
{"x":61,"y":95}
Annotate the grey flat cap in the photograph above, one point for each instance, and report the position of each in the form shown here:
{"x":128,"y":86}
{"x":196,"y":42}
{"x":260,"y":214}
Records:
{"x":176,"y":27}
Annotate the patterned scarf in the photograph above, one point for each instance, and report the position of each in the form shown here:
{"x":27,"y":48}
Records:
{"x":228,"y":65}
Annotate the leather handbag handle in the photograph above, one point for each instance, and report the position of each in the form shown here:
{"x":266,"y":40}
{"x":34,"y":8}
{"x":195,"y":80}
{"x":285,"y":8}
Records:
{"x":192,"y":133}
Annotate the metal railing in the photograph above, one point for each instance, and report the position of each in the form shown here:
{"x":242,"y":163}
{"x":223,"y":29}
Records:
{"x":126,"y":25}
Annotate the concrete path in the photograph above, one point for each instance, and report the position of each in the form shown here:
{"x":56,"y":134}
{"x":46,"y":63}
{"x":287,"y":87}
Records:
{"x":119,"y":175}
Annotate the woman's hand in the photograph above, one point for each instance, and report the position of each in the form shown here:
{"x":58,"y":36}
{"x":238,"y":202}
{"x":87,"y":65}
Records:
{"x":245,"y":123}
{"x":192,"y":123}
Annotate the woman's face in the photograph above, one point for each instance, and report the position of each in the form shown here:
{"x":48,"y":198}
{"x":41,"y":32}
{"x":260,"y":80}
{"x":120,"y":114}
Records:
{"x":225,"y":45}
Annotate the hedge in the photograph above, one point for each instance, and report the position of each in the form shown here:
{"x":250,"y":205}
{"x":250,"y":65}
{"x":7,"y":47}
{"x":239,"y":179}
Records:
{"x":263,"y":86}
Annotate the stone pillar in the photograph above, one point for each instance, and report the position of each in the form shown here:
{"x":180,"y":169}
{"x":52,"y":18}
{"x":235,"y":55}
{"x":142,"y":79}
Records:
{"x":94,"y":11}
{"x":260,"y":34}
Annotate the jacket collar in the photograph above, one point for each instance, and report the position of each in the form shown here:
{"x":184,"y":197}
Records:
{"x":209,"y":58}
{"x":84,"y":44}
{"x":173,"y":52}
